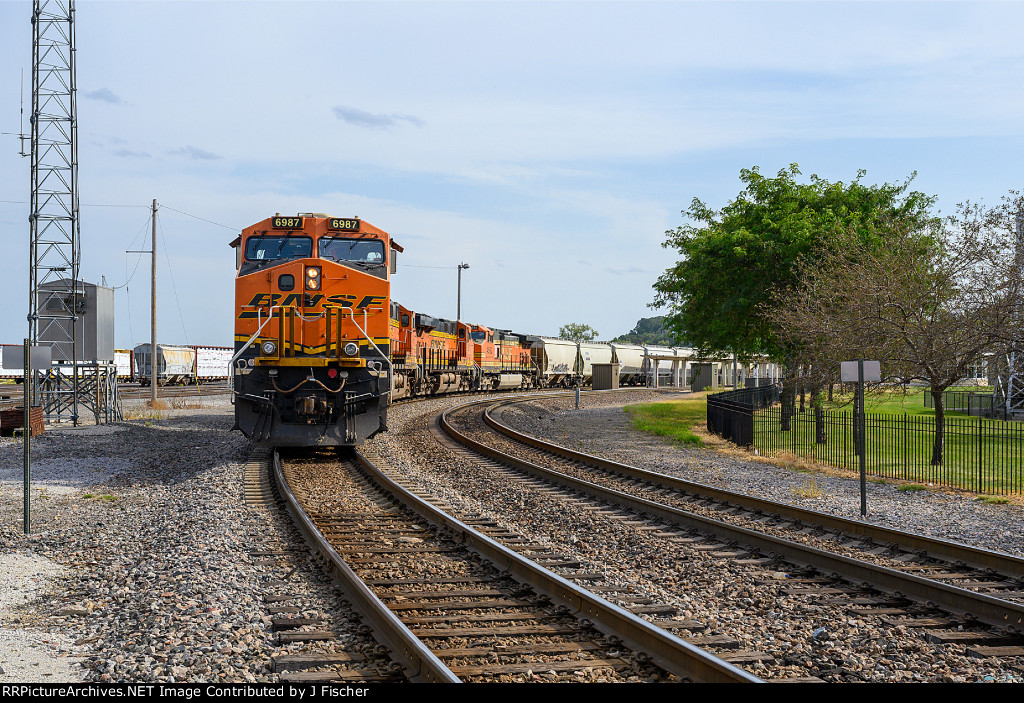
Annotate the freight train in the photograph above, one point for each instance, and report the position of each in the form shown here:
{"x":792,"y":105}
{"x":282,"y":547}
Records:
{"x":321,"y":349}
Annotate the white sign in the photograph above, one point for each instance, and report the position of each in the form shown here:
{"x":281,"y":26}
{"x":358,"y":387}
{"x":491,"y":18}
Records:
{"x":14,"y":357}
{"x":849,"y":374}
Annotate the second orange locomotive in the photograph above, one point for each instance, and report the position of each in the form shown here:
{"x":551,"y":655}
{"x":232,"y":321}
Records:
{"x":321,"y":349}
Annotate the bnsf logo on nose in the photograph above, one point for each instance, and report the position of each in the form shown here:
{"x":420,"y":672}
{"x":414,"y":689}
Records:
{"x":263,"y":300}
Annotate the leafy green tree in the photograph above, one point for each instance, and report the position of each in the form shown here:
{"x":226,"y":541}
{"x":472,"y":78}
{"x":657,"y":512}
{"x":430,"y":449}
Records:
{"x":928,"y":306}
{"x":733,"y":259}
{"x":577,"y":332}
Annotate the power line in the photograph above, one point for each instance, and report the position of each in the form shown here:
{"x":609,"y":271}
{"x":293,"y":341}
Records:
{"x":414,"y":266}
{"x":147,"y":207}
{"x":25,"y":202}
{"x":174,"y":287}
{"x":168,"y":207}
{"x":138,"y":260}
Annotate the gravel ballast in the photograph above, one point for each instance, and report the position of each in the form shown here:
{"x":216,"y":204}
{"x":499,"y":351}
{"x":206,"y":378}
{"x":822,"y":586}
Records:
{"x":802,"y":637}
{"x":139,"y":550}
{"x":139,"y":567}
{"x":602,"y":428}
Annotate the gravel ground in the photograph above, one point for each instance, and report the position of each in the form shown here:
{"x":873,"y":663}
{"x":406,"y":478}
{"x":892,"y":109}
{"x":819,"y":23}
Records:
{"x":603,"y":429}
{"x":802,"y":636}
{"x":138,"y":566}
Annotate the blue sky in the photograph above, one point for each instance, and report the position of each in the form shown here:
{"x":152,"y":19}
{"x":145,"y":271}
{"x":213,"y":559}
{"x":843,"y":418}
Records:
{"x":549,"y":145}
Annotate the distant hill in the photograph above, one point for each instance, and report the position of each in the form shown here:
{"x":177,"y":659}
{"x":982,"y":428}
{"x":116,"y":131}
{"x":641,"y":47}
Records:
{"x":648,"y":330}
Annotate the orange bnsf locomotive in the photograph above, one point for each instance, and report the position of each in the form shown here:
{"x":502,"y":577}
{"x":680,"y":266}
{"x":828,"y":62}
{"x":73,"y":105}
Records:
{"x":320,"y":347}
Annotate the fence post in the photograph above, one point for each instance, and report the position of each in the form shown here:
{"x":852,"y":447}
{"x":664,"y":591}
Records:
{"x":906,"y":447}
{"x":980,"y":447}
{"x":792,"y":429}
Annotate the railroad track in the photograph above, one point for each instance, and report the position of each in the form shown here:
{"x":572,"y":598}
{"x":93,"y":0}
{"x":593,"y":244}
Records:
{"x":132,"y":391}
{"x":453,"y":604}
{"x":952,"y":592}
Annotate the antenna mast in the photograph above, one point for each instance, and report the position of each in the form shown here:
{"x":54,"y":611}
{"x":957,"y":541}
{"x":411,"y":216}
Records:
{"x":54,"y":246}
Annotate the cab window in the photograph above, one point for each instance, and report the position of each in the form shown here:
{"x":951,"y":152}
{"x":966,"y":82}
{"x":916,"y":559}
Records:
{"x":263,"y":248}
{"x":347,"y":249}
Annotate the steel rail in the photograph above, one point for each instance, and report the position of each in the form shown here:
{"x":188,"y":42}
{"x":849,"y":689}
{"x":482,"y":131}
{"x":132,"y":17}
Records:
{"x":969,"y":604}
{"x":1000,"y":562}
{"x":419,"y":663}
{"x":671,"y":653}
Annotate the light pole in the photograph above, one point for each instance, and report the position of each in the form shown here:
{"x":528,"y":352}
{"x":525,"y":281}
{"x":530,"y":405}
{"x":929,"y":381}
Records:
{"x":458,"y":310}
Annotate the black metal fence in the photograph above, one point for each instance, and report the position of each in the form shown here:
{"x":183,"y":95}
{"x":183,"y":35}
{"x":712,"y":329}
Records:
{"x":979,"y":403}
{"x":982,"y":455}
{"x":731,"y":414}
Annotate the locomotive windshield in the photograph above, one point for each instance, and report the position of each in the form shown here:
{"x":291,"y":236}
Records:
{"x":346,"y":249}
{"x":267,"y":248}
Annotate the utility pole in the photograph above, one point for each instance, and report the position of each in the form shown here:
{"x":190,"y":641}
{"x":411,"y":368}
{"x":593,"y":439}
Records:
{"x":152,"y":319}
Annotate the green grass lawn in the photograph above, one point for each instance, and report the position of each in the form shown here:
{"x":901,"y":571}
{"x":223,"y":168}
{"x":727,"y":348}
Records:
{"x":899,"y":401}
{"x":896,"y":449}
{"x":980,"y":455}
{"x":672,"y":418}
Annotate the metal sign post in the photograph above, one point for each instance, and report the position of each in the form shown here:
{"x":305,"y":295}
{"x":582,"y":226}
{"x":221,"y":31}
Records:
{"x":860,"y":371}
{"x":26,"y":435}
{"x":863,"y":446}
{"x":32,"y":359}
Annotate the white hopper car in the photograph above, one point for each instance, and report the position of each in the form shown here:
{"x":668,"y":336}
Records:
{"x":184,"y":365}
{"x":560,"y":362}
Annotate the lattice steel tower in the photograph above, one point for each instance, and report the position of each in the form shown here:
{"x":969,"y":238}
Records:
{"x":54,"y":248}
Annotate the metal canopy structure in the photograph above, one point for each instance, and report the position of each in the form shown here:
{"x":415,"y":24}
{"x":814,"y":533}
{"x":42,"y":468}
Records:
{"x":678,"y":367}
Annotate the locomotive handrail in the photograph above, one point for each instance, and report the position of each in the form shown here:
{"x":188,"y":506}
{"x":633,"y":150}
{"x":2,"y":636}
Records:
{"x":270,"y":316}
{"x":391,"y":367}
{"x":231,"y":364}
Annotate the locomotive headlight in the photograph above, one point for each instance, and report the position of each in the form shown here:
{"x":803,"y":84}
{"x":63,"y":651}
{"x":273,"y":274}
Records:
{"x":312,"y":278}
{"x":351,"y":349}
{"x":268,"y":348}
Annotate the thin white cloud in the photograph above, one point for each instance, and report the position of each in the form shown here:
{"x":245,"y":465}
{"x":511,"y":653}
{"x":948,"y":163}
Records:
{"x":627,"y":270}
{"x":196,"y":154}
{"x":361,"y":118}
{"x":105,"y":95}
{"x":129,"y":154}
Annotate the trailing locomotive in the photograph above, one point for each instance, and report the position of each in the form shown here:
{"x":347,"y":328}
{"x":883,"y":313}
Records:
{"x":433,"y":355}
